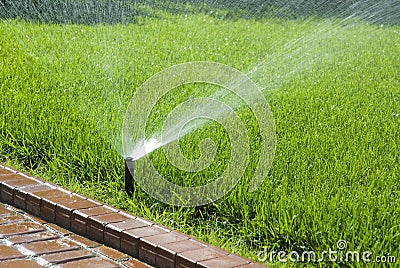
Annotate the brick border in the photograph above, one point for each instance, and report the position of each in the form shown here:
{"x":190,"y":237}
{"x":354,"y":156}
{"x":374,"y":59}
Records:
{"x":147,"y":241}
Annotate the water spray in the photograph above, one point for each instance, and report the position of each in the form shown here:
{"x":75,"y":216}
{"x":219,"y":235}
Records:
{"x":129,"y":175}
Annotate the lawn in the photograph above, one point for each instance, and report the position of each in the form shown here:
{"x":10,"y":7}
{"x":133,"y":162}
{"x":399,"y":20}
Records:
{"x":333,"y":87}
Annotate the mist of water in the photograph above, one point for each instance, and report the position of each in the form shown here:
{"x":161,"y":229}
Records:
{"x":295,"y":58}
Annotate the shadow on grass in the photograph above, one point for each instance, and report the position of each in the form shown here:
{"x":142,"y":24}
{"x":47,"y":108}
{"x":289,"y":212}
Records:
{"x":92,"y":12}
{"x":373,"y":11}
{"x":88,"y":12}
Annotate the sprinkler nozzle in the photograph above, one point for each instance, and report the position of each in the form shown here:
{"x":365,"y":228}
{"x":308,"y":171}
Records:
{"x":129,"y":175}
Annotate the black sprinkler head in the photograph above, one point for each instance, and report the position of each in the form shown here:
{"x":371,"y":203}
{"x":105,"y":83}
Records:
{"x":129,"y":175}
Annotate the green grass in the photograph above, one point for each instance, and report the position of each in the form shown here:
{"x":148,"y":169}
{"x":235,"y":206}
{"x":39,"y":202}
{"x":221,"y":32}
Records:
{"x":335,"y":96}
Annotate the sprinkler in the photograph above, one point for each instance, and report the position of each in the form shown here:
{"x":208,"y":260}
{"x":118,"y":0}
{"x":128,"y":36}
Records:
{"x":129,"y":175}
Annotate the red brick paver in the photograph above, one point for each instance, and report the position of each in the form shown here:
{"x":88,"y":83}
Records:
{"x":19,"y":228}
{"x":48,"y":247}
{"x":91,"y":262}
{"x":20,"y":264}
{"x":66,"y":256}
{"x":111,"y":253}
{"x":27,"y":238}
{"x":8,"y":253}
